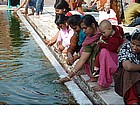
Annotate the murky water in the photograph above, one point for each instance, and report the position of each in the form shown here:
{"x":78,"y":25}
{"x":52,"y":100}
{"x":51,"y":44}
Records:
{"x":26,"y":75}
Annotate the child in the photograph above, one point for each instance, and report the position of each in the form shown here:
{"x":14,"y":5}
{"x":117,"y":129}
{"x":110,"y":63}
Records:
{"x":61,"y":7}
{"x":65,"y":34}
{"x":107,"y":59}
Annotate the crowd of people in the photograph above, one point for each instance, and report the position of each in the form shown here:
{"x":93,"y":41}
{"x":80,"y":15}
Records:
{"x":100,"y":47}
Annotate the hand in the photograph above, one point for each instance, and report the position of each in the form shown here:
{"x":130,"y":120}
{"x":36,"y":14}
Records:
{"x":48,"y":42}
{"x":62,"y":80}
{"x":70,"y":60}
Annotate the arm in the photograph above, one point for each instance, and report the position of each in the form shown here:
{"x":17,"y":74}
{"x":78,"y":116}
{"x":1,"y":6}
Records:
{"x":73,"y":44}
{"x":92,"y":3}
{"x":52,"y":41}
{"x":71,"y":49}
{"x":127,"y":65}
{"x":83,"y":59}
{"x":22,"y":4}
{"x":114,"y":45}
{"x":26,"y":7}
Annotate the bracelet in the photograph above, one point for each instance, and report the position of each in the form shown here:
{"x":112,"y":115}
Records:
{"x":68,"y":77}
{"x":74,"y":71}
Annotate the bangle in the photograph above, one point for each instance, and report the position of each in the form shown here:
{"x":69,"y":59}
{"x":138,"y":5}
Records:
{"x":68,"y":77}
{"x":74,"y":70}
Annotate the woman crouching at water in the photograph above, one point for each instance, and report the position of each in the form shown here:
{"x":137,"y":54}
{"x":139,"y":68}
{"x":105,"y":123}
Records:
{"x":127,"y":77}
{"x":89,"y":48}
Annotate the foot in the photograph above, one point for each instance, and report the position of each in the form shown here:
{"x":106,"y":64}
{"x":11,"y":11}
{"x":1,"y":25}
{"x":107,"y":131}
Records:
{"x":30,"y":14}
{"x":136,"y":103}
{"x":37,"y":16}
{"x":92,"y":80}
{"x":100,"y":88}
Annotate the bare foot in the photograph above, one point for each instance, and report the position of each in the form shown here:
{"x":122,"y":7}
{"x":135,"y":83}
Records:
{"x":136,"y":103}
{"x":37,"y":16}
{"x":30,"y":14}
{"x":100,"y":88}
{"x":92,"y":80}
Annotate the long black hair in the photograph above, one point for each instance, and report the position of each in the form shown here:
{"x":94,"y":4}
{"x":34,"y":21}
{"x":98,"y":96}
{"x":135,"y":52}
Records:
{"x":61,"y":4}
{"x":88,"y":20}
{"x":60,"y":19}
{"x":74,"y":20}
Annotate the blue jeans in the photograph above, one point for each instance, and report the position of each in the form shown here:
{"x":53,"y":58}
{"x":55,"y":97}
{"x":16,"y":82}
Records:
{"x":32,"y":3}
{"x":135,"y":22}
{"x":39,"y":6}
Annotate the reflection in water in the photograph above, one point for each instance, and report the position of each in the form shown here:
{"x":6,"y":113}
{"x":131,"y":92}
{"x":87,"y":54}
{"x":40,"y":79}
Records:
{"x":26,"y":75}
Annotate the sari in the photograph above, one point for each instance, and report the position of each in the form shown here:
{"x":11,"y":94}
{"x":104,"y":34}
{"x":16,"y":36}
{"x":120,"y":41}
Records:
{"x":89,"y":45}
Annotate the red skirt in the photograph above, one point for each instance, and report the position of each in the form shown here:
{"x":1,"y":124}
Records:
{"x":131,"y":96}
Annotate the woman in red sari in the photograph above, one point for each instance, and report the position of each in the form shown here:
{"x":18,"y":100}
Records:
{"x":127,"y":78}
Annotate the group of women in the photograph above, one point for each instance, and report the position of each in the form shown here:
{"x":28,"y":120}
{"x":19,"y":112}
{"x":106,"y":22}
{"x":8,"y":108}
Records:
{"x":126,"y":74}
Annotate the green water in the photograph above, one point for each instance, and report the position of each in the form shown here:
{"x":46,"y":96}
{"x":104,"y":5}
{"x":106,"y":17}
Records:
{"x":26,"y":75}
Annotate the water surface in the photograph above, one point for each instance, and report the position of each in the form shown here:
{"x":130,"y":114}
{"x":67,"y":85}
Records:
{"x":26,"y":75}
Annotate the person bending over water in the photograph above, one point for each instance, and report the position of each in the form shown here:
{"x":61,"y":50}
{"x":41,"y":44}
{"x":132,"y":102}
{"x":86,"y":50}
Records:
{"x":90,"y":27}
